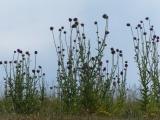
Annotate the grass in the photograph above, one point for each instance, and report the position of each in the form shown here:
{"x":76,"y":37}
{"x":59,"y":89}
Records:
{"x":88,"y":88}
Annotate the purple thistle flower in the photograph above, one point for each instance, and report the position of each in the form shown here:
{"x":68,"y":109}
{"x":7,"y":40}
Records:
{"x":74,"y":26}
{"x":70,"y":19}
{"x":117,"y":50}
{"x":120,"y":51}
{"x":139,"y":25}
{"x":51,"y":28}
{"x":35,"y":52}
{"x":101,"y":63}
{"x":5,"y":62}
{"x":105,"y":16}
{"x":113,"y":52}
{"x":145,"y":33}
{"x":128,"y":24}
{"x":121,"y":73}
{"x":64,"y":32}
{"x":104,"y":69}
{"x":93,"y":58}
{"x":126,"y":65}
{"x":147,"y":18}
{"x":106,"y":32}
{"x":38,"y":71}
{"x":120,"y":55}
{"x":134,"y":38}
{"x":95,"y":22}
{"x":75,"y":19}
{"x":112,"y":49}
{"x":33,"y":71}
{"x":82,"y":24}
{"x":27,"y":53}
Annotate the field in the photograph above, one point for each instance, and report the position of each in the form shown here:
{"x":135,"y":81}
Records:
{"x":88,"y":88}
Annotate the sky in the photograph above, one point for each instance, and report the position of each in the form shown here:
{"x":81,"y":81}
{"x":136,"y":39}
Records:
{"x":24,"y":24}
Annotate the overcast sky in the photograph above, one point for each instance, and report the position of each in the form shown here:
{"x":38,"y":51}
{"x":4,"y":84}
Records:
{"x":25,"y":24}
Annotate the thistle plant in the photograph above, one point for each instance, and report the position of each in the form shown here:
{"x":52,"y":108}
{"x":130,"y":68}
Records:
{"x":84,"y":81}
{"x":147,"y":59}
{"x":24,"y":90}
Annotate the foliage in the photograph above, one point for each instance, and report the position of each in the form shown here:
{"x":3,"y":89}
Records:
{"x":84,"y":81}
{"x":21,"y":87}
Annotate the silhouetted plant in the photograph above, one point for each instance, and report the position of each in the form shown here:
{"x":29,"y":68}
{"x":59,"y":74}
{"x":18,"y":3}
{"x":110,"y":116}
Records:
{"x":84,"y":82}
{"x":147,"y":59}
{"x":25,"y":90}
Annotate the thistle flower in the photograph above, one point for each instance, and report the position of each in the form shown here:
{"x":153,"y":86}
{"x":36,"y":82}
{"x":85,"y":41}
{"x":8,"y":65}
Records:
{"x":147,"y":18}
{"x":74,"y":26}
{"x":126,"y":65}
{"x":120,"y":55}
{"x":105,"y":16}
{"x":128,"y":24}
{"x":93,"y":58}
{"x":117,"y":50}
{"x":27,"y":53}
{"x":51,"y":28}
{"x":38,"y":71}
{"x":33,"y":71}
{"x":101,"y":63}
{"x":95,"y":22}
{"x":145,"y":33}
{"x":112,"y":49}
{"x":120,"y":51}
{"x":19,"y":51}
{"x":64,"y":32}
{"x":82,"y":24}
{"x":35,"y":52}
{"x":70,"y":19}
{"x":139,"y":25}
{"x":114,"y":83}
{"x":104,"y":69}
{"x":106,"y":32}
{"x":134,"y":38}
{"x":113,"y":52}
{"x":15,"y":61}
{"x":75,"y":19}
{"x":121,"y":73}
{"x":5,"y":62}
